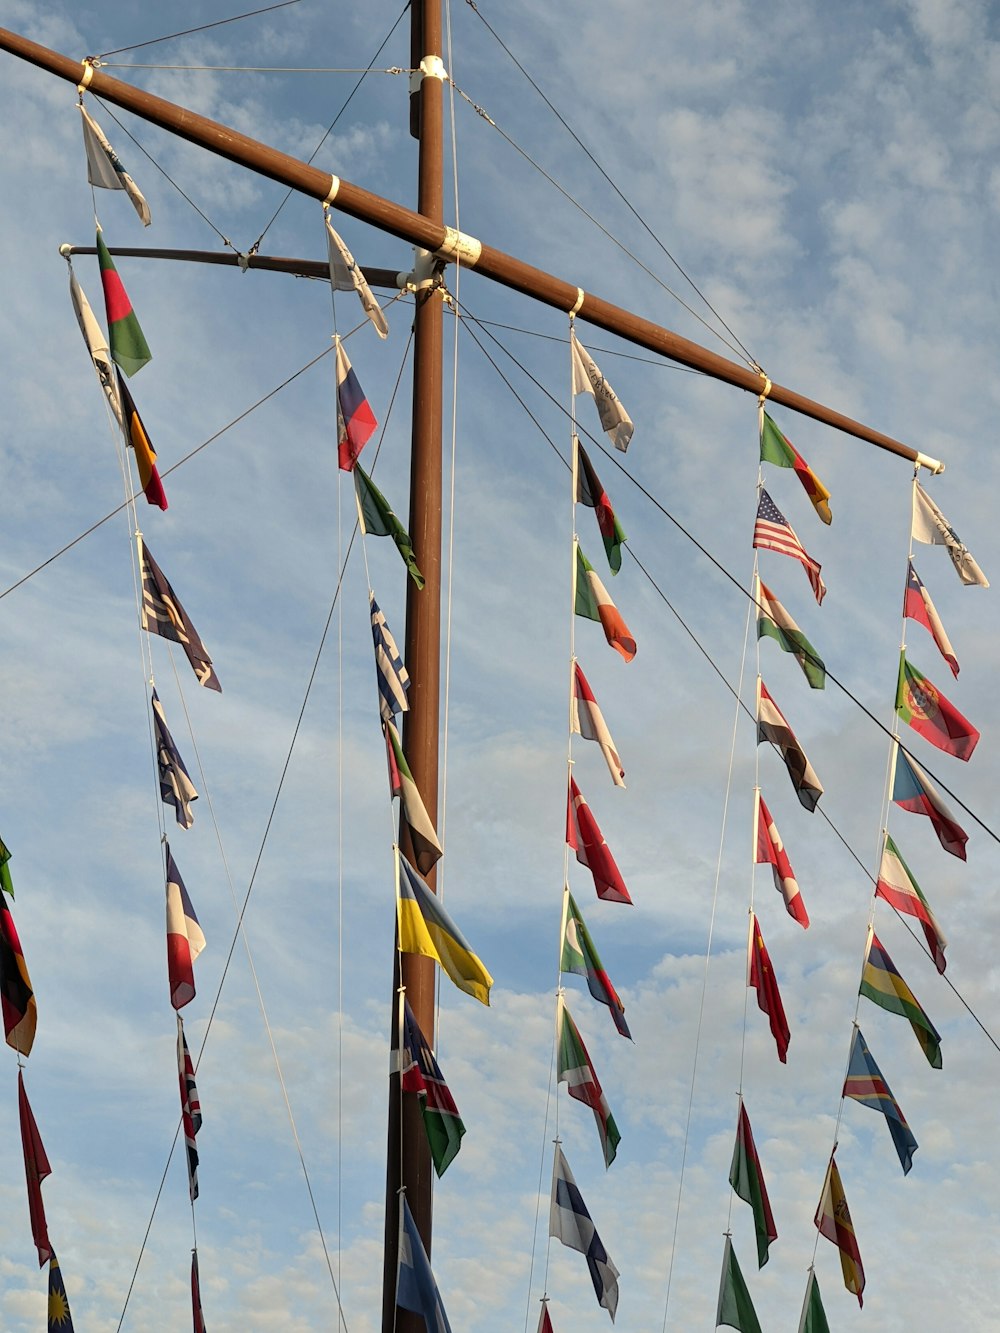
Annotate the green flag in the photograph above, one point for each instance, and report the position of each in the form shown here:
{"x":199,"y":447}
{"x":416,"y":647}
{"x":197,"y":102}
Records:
{"x":735,"y":1306}
{"x":5,"y":882}
{"x":774,"y":621}
{"x":378,"y":520}
{"x":128,"y":345}
{"x":813,"y":1315}
{"x":747,"y":1179}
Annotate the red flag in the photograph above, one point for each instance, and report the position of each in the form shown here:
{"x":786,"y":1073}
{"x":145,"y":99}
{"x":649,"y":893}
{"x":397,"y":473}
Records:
{"x":760,"y":975}
{"x":771,"y":849}
{"x":587,"y":841}
{"x":17,"y":1000}
{"x":36,"y":1168}
{"x":544,"y":1322}
{"x":199,"y":1318}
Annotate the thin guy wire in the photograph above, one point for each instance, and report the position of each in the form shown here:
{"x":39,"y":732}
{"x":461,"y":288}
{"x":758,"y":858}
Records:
{"x":329,"y":130}
{"x":219,"y":23}
{"x":616,"y":189}
{"x":255,"y":69}
{"x":736,"y":350}
{"x":704,"y":981}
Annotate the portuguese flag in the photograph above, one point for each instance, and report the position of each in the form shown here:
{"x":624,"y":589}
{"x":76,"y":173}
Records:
{"x":128,"y":345}
{"x":931,"y":715}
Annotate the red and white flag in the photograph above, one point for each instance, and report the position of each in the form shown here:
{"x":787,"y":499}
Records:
{"x":587,"y":720}
{"x":587,"y":841}
{"x":771,"y":849}
{"x":185,"y":938}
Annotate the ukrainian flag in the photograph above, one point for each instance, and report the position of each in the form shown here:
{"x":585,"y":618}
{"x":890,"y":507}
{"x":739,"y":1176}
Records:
{"x":426,"y":928}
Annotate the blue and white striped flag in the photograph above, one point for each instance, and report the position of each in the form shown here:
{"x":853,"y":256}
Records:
{"x":393,"y":678}
{"x":163,"y":614}
{"x":176,"y":787}
{"x":570,"y":1222}
{"x":416,"y":1289}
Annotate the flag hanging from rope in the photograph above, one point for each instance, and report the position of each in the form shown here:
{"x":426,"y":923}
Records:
{"x":176,"y":787}
{"x":97,"y":346}
{"x":587,"y":841}
{"x":346,"y":276}
{"x":735,"y":1308}
{"x":421,"y":1074}
{"x":392,"y":676}
{"x":593,"y":602}
{"x":898,"y":887}
{"x":747,"y":1179}
{"x":917,"y":605}
{"x":198,"y":1317}
{"x":577,"y":1072}
{"x":571,"y":1223}
{"x":378,"y":520}
{"x":865,"y":1084}
{"x":416,"y":1289}
{"x":777,"y":448}
{"x":355,"y":418}
{"x":105,"y":169}
{"x":774,"y":621}
{"x":913,"y":790}
{"x":884,"y":986}
{"x":773,"y":532}
{"x":185,"y":938}
{"x":60,"y":1320}
{"x":587,"y":720}
{"x":833,"y":1220}
{"x":591,"y":493}
{"x":929,"y":713}
{"x":129,"y":348}
{"x":771,"y":850}
{"x":587,"y":378}
{"x":761,"y":978}
{"x":163,"y":614}
{"x":427,"y":929}
{"x":427,"y":850}
{"x":36,"y":1168}
{"x":190,"y":1107}
{"x":772,"y":727}
{"x":581,"y":958}
{"x":139,"y":442}
{"x":813,"y":1317}
{"x":17,"y":999}
{"x":931,"y":526}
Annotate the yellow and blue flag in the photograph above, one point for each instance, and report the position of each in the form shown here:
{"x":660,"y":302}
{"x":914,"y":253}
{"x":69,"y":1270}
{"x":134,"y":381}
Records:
{"x":426,"y":928}
{"x":865,"y":1084}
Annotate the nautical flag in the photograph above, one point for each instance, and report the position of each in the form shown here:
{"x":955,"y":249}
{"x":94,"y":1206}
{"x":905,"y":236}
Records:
{"x":917,"y":605}
{"x":60,"y":1320}
{"x":833,"y":1220}
{"x":929,"y":713}
{"x":393,"y":677}
{"x":898,"y":887}
{"x":735,"y":1308}
{"x":426,"y":928}
{"x":577,"y":1072}
{"x":97,"y":346}
{"x":355,"y":418}
{"x":747,"y":1179}
{"x":128,"y":345}
{"x":774,"y":621}
{"x":104,"y":166}
{"x":137,"y":439}
{"x":593,"y":602}
{"x":36,"y":1168}
{"x":571,"y":1223}
{"x":416,"y":1289}
{"x":771,"y":726}
{"x":378,"y":520}
{"x":778,"y":449}
{"x":591,"y":493}
{"x":760,"y":976}
{"x":865,"y":1084}
{"x":885,"y":987}
{"x":427,"y":851}
{"x":771,"y":850}
{"x":587,"y":720}
{"x":198,"y":1317}
{"x":17,"y":999}
{"x":421,"y":1074}
{"x":931,"y":526}
{"x":581,"y":958}
{"x":587,"y":378}
{"x":185,"y":938}
{"x":190,"y":1107}
{"x":813,"y":1317}
{"x":773,"y":532}
{"x":176,"y":787}
{"x":913,"y":790}
{"x":346,"y":276}
{"x":163,"y":614}
{"x":5,"y":881}
{"x":544,"y":1322}
{"x":587,"y":841}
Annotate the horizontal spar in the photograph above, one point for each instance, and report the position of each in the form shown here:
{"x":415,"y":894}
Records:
{"x":442,"y":241}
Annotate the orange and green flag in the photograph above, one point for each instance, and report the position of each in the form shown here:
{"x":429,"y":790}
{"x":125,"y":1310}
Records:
{"x":128,"y":344}
{"x":776,"y":448}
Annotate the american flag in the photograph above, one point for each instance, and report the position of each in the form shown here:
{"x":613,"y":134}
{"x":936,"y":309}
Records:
{"x":773,"y":532}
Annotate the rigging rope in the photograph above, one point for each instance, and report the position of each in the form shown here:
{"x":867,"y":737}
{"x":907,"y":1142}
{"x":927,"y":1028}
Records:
{"x":219,"y":23}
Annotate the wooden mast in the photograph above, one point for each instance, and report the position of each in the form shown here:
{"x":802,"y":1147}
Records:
{"x":434,"y":236}
{"x":408,"y":1161}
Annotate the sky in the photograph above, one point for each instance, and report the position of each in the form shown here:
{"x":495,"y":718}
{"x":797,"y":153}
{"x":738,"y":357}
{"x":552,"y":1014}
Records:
{"x":829,"y":182}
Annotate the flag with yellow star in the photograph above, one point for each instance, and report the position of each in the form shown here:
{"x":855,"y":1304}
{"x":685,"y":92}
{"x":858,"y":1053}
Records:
{"x":60,"y":1319}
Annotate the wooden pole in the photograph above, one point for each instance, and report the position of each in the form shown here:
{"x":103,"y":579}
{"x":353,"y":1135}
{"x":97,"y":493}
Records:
{"x":408,"y":1162}
{"x":429,"y":233}
{"x":296,"y":268}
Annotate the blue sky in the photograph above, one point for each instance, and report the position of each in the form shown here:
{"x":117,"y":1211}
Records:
{"x":829,"y":181}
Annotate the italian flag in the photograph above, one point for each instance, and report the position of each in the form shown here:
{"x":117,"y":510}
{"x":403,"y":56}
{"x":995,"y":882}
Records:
{"x":593,"y":602}
{"x":576,"y":1071}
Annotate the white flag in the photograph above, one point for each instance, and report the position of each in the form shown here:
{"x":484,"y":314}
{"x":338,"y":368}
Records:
{"x":104,"y":167}
{"x":587,"y":378}
{"x":345,"y":276}
{"x":97,"y":346}
{"x":931,"y":526}
{"x":570,"y":1222}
